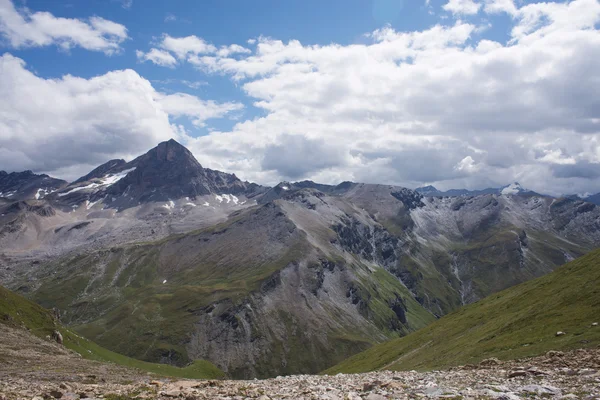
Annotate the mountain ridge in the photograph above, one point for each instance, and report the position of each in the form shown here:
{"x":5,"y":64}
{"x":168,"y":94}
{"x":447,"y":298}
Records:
{"x":230,"y":271}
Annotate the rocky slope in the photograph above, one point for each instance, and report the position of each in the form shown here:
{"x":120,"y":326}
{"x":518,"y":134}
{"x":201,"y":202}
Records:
{"x":167,"y":261}
{"x":27,"y":185}
{"x":572,"y":375}
{"x":33,"y":339}
{"x":558,"y":311}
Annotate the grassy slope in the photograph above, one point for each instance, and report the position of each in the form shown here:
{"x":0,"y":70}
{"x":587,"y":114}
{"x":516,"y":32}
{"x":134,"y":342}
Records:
{"x":19,"y":312}
{"x":518,"y":322}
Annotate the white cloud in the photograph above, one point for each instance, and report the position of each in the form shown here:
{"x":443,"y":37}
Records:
{"x":126,"y":4}
{"x":182,"y":104}
{"x":435,"y":106}
{"x":444,"y":105}
{"x":226,"y":51}
{"x":170,"y":17}
{"x":70,"y":125}
{"x":158,"y":57}
{"x":462,"y":7}
{"x":499,"y":6}
{"x":22,"y":28}
{"x":189,"y":45}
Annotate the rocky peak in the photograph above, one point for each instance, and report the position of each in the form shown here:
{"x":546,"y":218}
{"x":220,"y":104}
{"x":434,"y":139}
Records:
{"x":427,"y":190}
{"x":27,"y":185}
{"x":104,"y":169}
{"x":165,"y":173}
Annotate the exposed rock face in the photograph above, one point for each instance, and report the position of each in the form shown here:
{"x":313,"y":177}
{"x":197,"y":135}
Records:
{"x":165,"y":173}
{"x":27,"y":185}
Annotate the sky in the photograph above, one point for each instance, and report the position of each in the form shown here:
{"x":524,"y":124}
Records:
{"x":454,"y":93}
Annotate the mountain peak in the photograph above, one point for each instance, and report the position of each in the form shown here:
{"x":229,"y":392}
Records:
{"x":173,"y":151}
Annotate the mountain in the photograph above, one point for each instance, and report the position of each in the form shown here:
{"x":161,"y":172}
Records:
{"x":23,"y":323}
{"x":165,"y":173}
{"x":595,"y":199}
{"x":518,"y":322}
{"x":27,"y":185}
{"x":512,"y":189}
{"x":167,"y":261}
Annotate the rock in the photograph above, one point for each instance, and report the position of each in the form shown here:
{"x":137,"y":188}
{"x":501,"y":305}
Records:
{"x":56,"y":335}
{"x":552,"y":354}
{"x":83,"y":395}
{"x":489,"y":362}
{"x":156,"y":383}
{"x":171,"y":393}
{"x":595,"y":324}
{"x":374,"y":396}
{"x":56,"y":394}
{"x":587,"y":371}
{"x":540,"y":390}
{"x":516,"y":373}
{"x":560,"y":333}
{"x":367,"y":387}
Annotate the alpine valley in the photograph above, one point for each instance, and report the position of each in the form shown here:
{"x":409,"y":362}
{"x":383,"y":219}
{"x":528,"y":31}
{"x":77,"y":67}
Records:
{"x":163,"y":260}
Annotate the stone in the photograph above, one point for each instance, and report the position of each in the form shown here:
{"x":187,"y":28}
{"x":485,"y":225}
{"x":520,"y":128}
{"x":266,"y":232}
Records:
{"x":540,"y":390}
{"x":57,"y":336}
{"x":595,"y":324}
{"x":517,"y":373}
{"x":552,"y":354}
{"x":56,"y":394}
{"x":488,"y":362}
{"x":171,"y":393}
{"x":560,"y":333}
{"x":374,"y":396}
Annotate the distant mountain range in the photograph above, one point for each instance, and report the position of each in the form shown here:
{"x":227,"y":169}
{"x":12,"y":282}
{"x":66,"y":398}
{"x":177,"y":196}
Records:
{"x":513,"y":188}
{"x":167,"y":261}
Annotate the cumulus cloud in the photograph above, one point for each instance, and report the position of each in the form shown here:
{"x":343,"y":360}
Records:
{"x":444,"y":105}
{"x":158,"y":57}
{"x":70,"y":125}
{"x":198,"y":110}
{"x":462,"y":7}
{"x":22,"y":28}
{"x":296,"y":156}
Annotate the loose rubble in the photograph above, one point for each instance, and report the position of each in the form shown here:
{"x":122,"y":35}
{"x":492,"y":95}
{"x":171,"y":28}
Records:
{"x":557,"y":375}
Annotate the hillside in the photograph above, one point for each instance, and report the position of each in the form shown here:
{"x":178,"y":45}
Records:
{"x":29,"y":319}
{"x":165,"y":261}
{"x":518,"y":322}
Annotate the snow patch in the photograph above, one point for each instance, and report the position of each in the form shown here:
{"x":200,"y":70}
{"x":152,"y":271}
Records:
{"x":285,"y":188}
{"x":229,"y":198}
{"x":111,"y":179}
{"x":165,"y":281}
{"x":170,"y":205}
{"x":206,"y":204}
{"x":41,"y":193}
{"x":91,"y":204}
{"x":190,"y":204}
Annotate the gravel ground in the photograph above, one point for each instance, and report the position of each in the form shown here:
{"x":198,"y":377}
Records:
{"x":31,"y":368}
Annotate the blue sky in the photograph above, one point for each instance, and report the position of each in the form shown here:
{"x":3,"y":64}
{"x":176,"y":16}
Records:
{"x":224,"y":22}
{"x":455,"y":93}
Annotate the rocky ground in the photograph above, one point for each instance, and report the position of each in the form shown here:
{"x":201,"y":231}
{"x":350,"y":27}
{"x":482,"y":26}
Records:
{"x":47,"y":371}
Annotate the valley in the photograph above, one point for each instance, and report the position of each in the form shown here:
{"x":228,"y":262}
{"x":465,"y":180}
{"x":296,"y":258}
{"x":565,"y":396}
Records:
{"x":165,"y":261}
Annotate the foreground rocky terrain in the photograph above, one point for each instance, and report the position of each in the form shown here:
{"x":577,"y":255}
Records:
{"x":44,"y":370}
